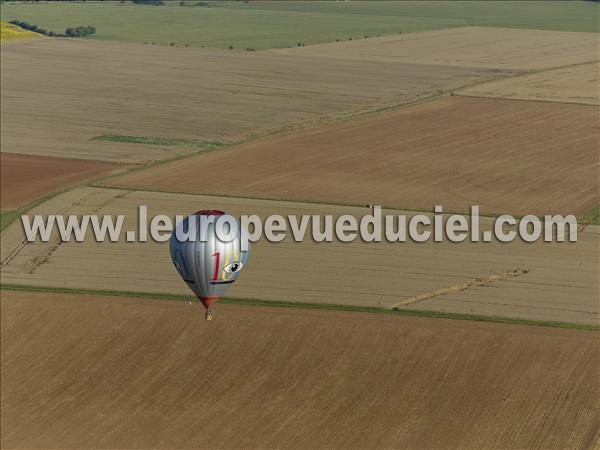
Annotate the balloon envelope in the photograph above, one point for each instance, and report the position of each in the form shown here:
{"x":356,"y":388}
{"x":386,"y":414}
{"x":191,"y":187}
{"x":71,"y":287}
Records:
{"x":206,"y":263}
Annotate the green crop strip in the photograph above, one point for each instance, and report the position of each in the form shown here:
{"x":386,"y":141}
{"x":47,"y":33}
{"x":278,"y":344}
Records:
{"x":7,"y":216}
{"x":592,"y":217}
{"x":302,"y":305}
{"x":150,"y":140}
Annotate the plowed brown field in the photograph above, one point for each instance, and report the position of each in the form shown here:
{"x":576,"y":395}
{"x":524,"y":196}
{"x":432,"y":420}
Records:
{"x":505,"y":156}
{"x":83,"y":372}
{"x":26,"y":178}
{"x":93,"y":88}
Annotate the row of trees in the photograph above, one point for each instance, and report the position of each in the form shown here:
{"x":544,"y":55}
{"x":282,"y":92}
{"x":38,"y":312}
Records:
{"x":184,"y":3}
{"x":69,"y":32}
{"x":148,"y":2}
{"x":80,"y":31}
{"x":34,"y":28}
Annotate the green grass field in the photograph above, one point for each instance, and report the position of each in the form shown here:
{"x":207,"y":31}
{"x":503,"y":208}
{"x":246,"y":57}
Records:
{"x":277,"y":24}
{"x":540,"y":14}
{"x":216,"y":27}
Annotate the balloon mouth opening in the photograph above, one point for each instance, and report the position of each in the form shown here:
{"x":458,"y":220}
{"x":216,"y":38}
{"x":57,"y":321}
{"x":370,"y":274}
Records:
{"x":209,"y":212}
{"x":207,"y":301}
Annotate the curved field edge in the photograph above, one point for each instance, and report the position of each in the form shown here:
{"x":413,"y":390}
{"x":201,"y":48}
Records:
{"x":302,"y":305}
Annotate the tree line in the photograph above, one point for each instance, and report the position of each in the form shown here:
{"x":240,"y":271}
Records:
{"x":79,"y":31}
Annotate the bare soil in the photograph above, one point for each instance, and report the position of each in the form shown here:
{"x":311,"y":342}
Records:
{"x":81,"y":372}
{"x":508,"y":157}
{"x":26,"y":178}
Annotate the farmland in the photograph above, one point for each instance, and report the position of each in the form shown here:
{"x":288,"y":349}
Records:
{"x":159,"y":94}
{"x":367,"y":375}
{"x":27,"y":178}
{"x":456,"y":152}
{"x":498,"y":48}
{"x":540,"y":14}
{"x":554,"y":282}
{"x":6,"y":217}
{"x":573,"y":84}
{"x":215,"y":27}
{"x":265,"y":25}
{"x":320,"y":344}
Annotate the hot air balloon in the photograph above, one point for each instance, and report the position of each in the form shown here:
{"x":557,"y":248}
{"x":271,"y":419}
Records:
{"x":206,"y":263}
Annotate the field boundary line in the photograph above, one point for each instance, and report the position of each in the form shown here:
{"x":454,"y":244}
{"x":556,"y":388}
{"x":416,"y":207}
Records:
{"x":23,"y":209}
{"x":536,"y":100}
{"x":288,"y":200}
{"x":465,"y":213}
{"x":326,"y":120}
{"x":37,"y":202}
{"x":475,"y":282}
{"x":71,"y":158}
{"x":457,"y":92}
{"x":304,"y":305}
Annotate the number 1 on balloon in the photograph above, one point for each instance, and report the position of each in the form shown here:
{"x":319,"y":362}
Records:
{"x":217,"y":256}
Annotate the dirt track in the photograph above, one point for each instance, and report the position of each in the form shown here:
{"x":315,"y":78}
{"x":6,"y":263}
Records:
{"x":186,"y":93}
{"x":26,"y":178}
{"x":135,"y":373}
{"x":499,"y":154}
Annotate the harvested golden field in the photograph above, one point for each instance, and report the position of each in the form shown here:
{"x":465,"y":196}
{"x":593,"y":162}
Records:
{"x":500,"y":48}
{"x":110,"y":372}
{"x":505,"y":156}
{"x":90,"y":88}
{"x":10,"y":32}
{"x":573,"y":84}
{"x":544,"y":281}
{"x":26,"y":178}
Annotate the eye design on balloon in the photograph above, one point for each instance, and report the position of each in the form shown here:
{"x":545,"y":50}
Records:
{"x":233,"y":267}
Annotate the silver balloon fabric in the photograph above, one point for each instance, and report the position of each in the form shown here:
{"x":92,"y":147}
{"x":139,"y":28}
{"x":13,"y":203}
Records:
{"x":209,"y":266}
